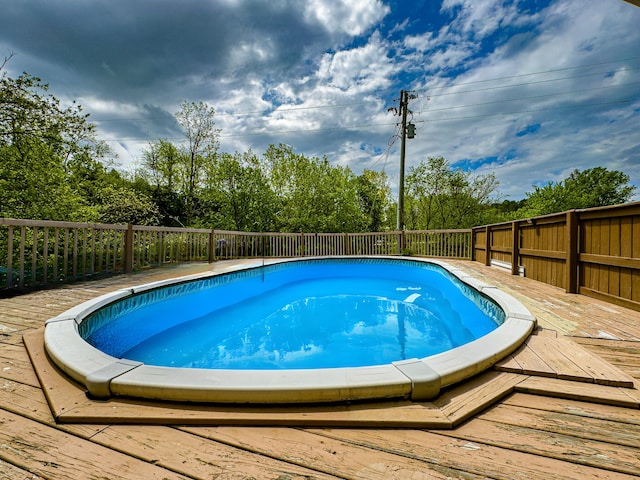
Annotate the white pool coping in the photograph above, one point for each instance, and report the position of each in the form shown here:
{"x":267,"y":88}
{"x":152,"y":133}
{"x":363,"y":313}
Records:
{"x":421,"y":379}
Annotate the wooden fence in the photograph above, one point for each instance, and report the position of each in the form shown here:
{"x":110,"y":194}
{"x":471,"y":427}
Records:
{"x":36,"y":253}
{"x":595,"y":252}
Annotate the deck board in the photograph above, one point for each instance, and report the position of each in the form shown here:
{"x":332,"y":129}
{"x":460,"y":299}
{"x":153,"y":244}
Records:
{"x":567,"y":449}
{"x":459,"y":404}
{"x":618,"y":433}
{"x":312,"y":448}
{"x":574,"y":407}
{"x":53,"y":453}
{"x":8,"y":471}
{"x":181,"y":451}
{"x":578,"y":391}
{"x":537,"y":427}
{"x":478,"y":456}
{"x":15,"y":365}
{"x":547,"y":356}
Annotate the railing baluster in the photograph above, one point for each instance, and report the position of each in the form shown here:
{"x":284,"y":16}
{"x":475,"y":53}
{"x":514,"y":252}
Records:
{"x":23,"y":239}
{"x":10,"y":257}
{"x":45,"y":255}
{"x":34,"y":257}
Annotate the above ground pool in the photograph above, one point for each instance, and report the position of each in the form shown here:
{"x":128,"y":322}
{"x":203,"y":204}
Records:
{"x":293,"y":331}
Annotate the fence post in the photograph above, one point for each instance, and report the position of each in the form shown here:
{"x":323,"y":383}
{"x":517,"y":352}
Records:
{"x":347,"y":249}
{"x":487,"y":246}
{"x":472,"y":253}
{"x":515,"y":248}
{"x":401,"y":242}
{"x":212,"y":246}
{"x":571,"y":265}
{"x":128,"y":249}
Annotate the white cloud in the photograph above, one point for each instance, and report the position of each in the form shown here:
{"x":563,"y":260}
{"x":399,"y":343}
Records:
{"x":284,"y":63}
{"x":361,"y":69}
{"x":351,"y":17}
{"x":481,"y":17}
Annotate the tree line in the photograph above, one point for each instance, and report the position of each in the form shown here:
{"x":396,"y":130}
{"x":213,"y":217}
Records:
{"x":54,"y":167}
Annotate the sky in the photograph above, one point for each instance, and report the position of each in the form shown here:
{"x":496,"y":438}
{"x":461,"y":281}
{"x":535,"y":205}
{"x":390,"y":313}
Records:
{"x":527,"y":90}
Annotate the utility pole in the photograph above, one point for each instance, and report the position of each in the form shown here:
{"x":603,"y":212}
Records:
{"x":407,"y":131}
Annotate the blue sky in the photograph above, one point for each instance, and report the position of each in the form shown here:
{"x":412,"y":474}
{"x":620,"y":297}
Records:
{"x":526,"y":89}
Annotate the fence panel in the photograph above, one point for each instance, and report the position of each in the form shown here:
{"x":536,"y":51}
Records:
{"x":38,"y":253}
{"x":377,"y":243}
{"x":594,"y":251}
{"x":543,"y":249}
{"x":438,"y":243}
{"x":609,"y":254}
{"x":153,"y":246}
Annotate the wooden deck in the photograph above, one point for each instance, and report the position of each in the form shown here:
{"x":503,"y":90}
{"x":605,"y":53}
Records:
{"x":567,"y":405}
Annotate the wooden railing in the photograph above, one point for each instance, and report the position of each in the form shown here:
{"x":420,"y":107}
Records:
{"x":39,"y":253}
{"x":35,"y":253}
{"x":430,"y":243}
{"x":594,"y":251}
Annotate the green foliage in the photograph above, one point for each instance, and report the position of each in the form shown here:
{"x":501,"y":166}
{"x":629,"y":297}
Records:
{"x":39,"y":139}
{"x":440,"y":197}
{"x":595,"y":187}
{"x":52,"y":167}
{"x":125,"y":205}
{"x":163,"y":165}
{"x":374,"y":197}
{"x":238,"y":195}
{"x":198,"y":124}
{"x":312,"y":195}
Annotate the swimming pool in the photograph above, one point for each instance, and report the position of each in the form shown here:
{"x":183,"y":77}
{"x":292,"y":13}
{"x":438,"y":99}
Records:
{"x":303,"y":330}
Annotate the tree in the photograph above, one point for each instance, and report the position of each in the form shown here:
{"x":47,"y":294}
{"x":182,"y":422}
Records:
{"x":163,"y":168}
{"x":197,"y":122}
{"x":39,"y":139}
{"x":374,"y":199}
{"x":313,"y":196}
{"x":161,"y":160}
{"x":238,"y":196}
{"x":440,"y":197}
{"x":126,"y":205}
{"x":595,"y":187}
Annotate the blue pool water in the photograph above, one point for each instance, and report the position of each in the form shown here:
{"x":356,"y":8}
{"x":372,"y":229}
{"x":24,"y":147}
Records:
{"x":304,"y":314}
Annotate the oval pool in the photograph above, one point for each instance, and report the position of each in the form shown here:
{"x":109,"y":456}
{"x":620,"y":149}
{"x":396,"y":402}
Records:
{"x":293,"y":331}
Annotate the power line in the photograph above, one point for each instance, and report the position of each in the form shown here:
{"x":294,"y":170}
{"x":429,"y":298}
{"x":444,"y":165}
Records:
{"x":619,"y":102}
{"x":527,"y":83}
{"x":534,"y":73}
{"x":526,"y":98}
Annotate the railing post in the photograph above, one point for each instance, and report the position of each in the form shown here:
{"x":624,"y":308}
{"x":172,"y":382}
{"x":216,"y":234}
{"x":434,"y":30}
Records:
{"x":571,"y":266}
{"x":347,"y":248}
{"x":128,"y":249}
{"x":212,"y":246}
{"x":472,"y":253}
{"x":487,"y":246}
{"x":515,"y":248}
{"x":401,"y":242}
